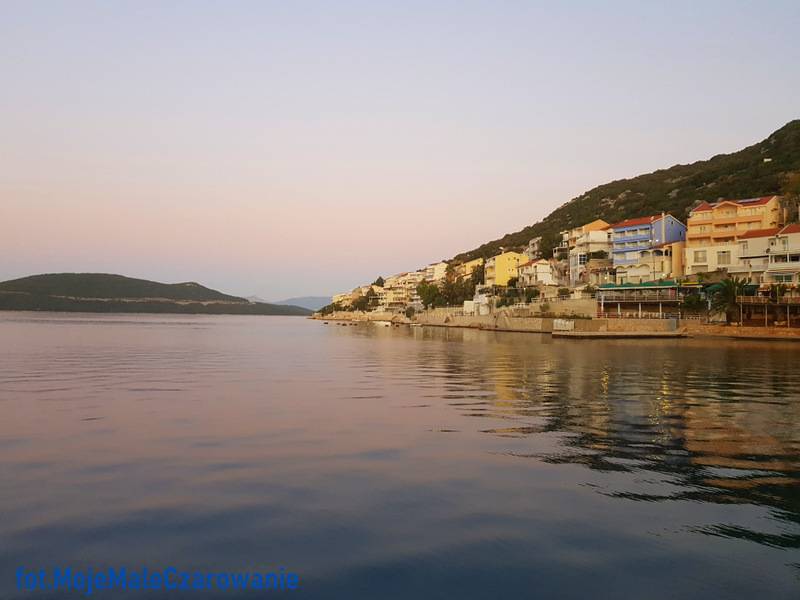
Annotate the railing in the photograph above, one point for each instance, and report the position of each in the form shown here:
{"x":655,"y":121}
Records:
{"x":627,"y":314}
{"x":752,"y":299}
{"x":639,"y":297}
{"x":761,"y":300}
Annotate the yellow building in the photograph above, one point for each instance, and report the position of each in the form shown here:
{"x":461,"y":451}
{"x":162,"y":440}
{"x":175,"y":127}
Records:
{"x":713,"y":231}
{"x":501,"y":268}
{"x":466,"y":269}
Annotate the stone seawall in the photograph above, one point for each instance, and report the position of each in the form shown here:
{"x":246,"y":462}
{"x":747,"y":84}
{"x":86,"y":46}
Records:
{"x":512,"y":320}
{"x":700,"y":329}
{"x":363,"y":316}
{"x":499,"y":321}
{"x":502,"y":321}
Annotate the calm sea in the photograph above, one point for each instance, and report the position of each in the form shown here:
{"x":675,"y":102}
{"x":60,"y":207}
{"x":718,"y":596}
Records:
{"x":382,"y":462}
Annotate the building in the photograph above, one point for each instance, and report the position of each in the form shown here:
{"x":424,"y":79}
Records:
{"x":534,"y":248}
{"x":344,"y":299}
{"x":770,"y":255}
{"x":784,"y":256}
{"x":535,"y":272}
{"x":503,"y":267}
{"x":643,"y":249}
{"x":714,"y":230}
{"x":466,"y":269}
{"x":569,"y":265}
{"x":436,"y":272}
{"x":593,"y":242}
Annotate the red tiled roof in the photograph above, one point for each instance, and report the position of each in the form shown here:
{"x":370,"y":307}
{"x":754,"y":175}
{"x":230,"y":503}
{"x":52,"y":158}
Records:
{"x":530,"y":262}
{"x":632,"y":222}
{"x":793,"y":228}
{"x":742,"y":202}
{"x":757,"y":233}
{"x":751,"y":201}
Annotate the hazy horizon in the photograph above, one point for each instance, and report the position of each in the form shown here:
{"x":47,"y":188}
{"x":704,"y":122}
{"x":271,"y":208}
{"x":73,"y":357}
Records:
{"x":286,"y":150}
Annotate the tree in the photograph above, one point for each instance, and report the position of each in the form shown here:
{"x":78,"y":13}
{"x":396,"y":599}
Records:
{"x":361,"y":303}
{"x":531,"y":293}
{"x":791,"y":195}
{"x":693,"y":303}
{"x":330,"y":308}
{"x":725,"y":297}
{"x":512,"y":282}
{"x":478,"y":275}
{"x":429,"y":294}
{"x":379,"y":281}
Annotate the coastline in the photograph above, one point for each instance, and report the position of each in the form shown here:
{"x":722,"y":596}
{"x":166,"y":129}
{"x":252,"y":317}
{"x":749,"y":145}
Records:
{"x":576,"y":328}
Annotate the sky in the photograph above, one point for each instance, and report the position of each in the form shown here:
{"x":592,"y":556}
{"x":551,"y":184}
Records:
{"x":302,"y":148}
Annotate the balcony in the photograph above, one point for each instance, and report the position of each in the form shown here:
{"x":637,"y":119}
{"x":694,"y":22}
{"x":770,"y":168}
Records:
{"x":762,"y":300}
{"x":640,"y":296}
{"x":639,"y":237}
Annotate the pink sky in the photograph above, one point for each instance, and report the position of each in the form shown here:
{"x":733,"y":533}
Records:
{"x":297,"y":150}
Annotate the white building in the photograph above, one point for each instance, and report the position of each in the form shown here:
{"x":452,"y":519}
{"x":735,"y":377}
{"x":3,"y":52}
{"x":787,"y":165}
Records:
{"x":769,"y":255}
{"x":587,"y":245}
{"x":436,"y":272}
{"x":535,"y":272}
{"x":534,"y":248}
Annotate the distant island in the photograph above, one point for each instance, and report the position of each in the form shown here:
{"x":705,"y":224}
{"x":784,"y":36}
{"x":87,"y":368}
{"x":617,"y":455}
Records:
{"x":309,"y":302}
{"x":106,"y":293}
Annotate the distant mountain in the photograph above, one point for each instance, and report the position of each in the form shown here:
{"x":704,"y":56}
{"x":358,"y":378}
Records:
{"x":309,"y":302}
{"x":101,"y":292}
{"x":758,"y":170}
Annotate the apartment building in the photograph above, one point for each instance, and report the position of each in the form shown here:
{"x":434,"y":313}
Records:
{"x":589,"y":245}
{"x":647,"y":248}
{"x":771,"y":255}
{"x":501,"y":268}
{"x":714,"y":230}
{"x":535,"y":272}
{"x":466,"y":269}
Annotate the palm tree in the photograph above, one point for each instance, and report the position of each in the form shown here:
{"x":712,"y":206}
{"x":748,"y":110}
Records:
{"x":725,"y":297}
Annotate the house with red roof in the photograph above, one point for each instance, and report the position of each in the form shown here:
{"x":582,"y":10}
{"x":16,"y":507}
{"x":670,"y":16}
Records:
{"x":714,"y":231}
{"x":771,"y":255}
{"x":643,"y":248}
{"x":535,"y":272}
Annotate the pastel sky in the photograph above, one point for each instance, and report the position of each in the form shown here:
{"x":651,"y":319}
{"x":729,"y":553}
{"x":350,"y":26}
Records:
{"x":298,"y":148}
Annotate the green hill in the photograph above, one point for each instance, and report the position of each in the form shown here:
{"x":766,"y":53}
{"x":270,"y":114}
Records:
{"x":101,"y":292}
{"x":743,"y":174}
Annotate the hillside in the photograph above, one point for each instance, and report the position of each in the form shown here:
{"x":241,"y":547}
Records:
{"x":309,"y":302}
{"x":101,"y":292}
{"x":676,"y":190}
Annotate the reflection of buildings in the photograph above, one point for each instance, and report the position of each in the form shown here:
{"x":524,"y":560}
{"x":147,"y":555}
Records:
{"x":697,"y":419}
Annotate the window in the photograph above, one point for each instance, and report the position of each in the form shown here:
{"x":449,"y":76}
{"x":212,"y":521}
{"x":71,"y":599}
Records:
{"x":700,"y":256}
{"x":582,"y":259}
{"x":724,"y":257}
{"x":742,"y":247}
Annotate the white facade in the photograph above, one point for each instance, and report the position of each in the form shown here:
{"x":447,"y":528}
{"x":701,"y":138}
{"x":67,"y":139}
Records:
{"x":771,"y":256}
{"x":436,"y":272}
{"x":535,"y":272}
{"x":533,"y":250}
{"x":587,"y":244}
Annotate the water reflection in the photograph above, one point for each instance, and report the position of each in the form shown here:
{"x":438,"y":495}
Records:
{"x":397,"y":462}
